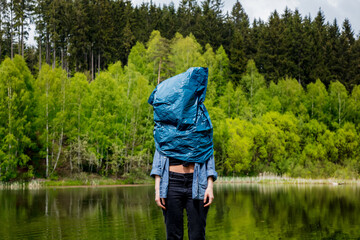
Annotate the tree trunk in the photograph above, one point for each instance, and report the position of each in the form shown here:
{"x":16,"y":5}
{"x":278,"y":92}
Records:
{"x":47,"y":128}
{"x":85,"y":60}
{"x":62,"y":58}
{"x":339,"y":98}
{"x":39,"y":47}
{"x":62,"y":123}
{"x":70,"y":157}
{"x":22,"y":37}
{"x":47,"y":54}
{"x":312,"y":106}
{"x":92,"y":64}
{"x":10,"y":127}
{"x":67,"y":68}
{"x":79,"y":144}
{"x":11,"y":31}
{"x":19,"y":42}
{"x":54,"y":55}
{"x":251,"y":93}
{"x":60,"y":146}
{"x":134,"y":136}
{"x":98,"y":63}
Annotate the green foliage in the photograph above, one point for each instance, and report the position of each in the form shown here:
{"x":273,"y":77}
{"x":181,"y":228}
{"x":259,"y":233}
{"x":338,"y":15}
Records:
{"x":184,"y":53}
{"x":16,"y":116}
{"x":239,"y":146}
{"x":338,"y":101}
{"x":59,"y":125}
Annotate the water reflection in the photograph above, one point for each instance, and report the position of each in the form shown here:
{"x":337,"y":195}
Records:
{"x":239,"y":211}
{"x":265,"y":211}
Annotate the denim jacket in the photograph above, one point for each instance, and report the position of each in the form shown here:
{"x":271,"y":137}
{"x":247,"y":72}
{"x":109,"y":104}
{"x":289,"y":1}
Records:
{"x":202,"y":171}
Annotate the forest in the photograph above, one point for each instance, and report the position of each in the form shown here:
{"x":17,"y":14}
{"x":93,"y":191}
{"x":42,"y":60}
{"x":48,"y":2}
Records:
{"x":283,"y":95}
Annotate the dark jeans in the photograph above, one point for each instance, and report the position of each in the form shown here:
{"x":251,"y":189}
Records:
{"x":179,"y":196}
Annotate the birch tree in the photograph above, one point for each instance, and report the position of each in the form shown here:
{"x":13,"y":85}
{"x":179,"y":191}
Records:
{"x":51,"y":86}
{"x":339,"y":101}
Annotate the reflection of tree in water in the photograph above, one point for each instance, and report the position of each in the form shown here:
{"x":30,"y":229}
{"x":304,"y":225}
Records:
{"x":239,"y":211}
{"x":108,"y":212}
{"x":281,"y":211}
{"x":337,"y":235}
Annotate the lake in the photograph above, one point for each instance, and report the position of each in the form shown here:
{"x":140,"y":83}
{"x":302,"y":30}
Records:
{"x":239,"y":211}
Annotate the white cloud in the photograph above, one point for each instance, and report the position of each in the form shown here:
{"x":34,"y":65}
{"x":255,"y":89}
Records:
{"x":263,"y":8}
{"x":333,"y":3}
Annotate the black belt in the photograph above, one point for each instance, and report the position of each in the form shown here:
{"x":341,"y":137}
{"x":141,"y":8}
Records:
{"x":181,"y":175}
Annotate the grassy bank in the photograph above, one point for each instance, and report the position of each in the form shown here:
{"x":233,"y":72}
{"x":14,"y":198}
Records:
{"x":94,"y":180}
{"x":275,"y":179}
{"x":81,"y":179}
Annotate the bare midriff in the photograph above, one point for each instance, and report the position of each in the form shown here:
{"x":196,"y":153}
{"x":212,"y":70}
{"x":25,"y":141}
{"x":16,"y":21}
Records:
{"x":182,"y":169}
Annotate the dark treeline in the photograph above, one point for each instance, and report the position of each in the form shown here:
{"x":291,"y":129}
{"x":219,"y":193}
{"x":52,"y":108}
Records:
{"x":87,"y":36}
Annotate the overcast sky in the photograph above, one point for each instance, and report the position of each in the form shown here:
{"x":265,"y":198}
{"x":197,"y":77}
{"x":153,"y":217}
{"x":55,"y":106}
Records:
{"x":339,"y":9}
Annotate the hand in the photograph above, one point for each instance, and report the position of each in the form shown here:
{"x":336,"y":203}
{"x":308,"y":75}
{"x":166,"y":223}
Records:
{"x":208,"y":194}
{"x":160,"y":201}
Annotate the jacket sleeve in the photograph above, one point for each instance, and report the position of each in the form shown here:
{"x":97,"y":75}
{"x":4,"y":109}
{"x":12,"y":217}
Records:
{"x":210,"y":168}
{"x":156,"y":165}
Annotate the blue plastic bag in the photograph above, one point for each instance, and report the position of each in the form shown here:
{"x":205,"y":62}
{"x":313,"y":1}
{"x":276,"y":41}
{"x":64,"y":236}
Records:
{"x":183,"y":128}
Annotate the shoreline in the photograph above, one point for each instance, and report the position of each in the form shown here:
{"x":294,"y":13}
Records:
{"x":109,"y":182}
{"x":273,"y":179}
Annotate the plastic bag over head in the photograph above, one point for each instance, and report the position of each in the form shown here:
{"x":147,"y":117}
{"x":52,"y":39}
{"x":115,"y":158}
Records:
{"x":183,"y":128}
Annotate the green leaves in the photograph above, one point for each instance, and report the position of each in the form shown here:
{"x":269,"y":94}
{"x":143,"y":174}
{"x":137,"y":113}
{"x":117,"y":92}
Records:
{"x":185,"y":53}
{"x":60,"y":125}
{"x":338,"y":101}
{"x":239,"y":146}
{"x":16,"y":117}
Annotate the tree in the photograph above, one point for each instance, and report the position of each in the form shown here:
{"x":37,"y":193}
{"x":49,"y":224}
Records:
{"x":184,"y":53}
{"x":339,"y":102}
{"x":78,"y":94}
{"x":316,"y":101}
{"x":23,"y":12}
{"x":157,"y":51}
{"x":354,"y":105}
{"x":347,"y":143}
{"x":3,"y":7}
{"x":233,"y":102}
{"x":240,"y":41}
{"x":318,"y":33}
{"x":51,"y":91}
{"x":291,"y":96}
{"x":210,"y":63}
{"x":209,"y":27}
{"x":347,"y":57}
{"x":221,"y":70}
{"x":252,"y":81}
{"x":16,"y":117}
{"x":239,"y":146}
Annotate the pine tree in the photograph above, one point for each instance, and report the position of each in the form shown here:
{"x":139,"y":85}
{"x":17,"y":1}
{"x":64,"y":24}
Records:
{"x":348,"y":59}
{"x":240,"y":39}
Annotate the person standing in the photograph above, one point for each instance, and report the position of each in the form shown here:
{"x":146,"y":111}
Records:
{"x":183,"y":164}
{"x":177,"y":189}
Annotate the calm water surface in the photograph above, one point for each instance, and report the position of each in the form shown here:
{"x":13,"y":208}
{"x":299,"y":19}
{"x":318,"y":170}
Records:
{"x":239,"y":211}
